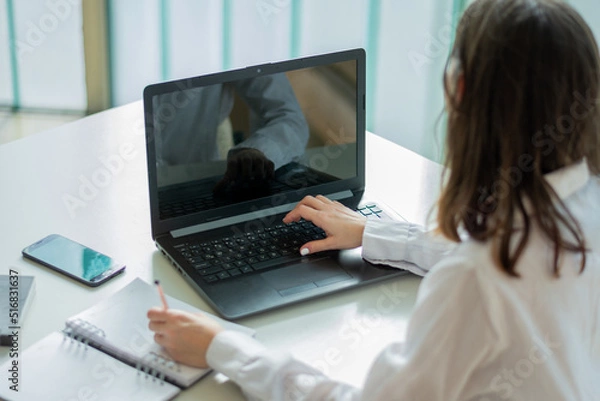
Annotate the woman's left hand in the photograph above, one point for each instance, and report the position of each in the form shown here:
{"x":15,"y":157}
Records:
{"x":185,"y":336}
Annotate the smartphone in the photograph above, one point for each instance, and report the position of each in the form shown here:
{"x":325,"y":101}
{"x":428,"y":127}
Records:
{"x":73,"y":259}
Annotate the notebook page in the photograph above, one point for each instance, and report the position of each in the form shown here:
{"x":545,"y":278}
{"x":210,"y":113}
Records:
{"x":125,"y":333}
{"x":59,"y":368}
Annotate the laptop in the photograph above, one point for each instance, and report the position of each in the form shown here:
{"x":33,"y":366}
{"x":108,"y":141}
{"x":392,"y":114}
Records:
{"x":229,"y":154}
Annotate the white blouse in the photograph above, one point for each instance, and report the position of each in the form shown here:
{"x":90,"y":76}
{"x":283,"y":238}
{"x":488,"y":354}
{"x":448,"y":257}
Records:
{"x":476,"y":334}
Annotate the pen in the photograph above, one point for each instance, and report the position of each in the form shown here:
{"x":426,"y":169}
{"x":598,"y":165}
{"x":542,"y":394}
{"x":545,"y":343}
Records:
{"x":162,"y":294}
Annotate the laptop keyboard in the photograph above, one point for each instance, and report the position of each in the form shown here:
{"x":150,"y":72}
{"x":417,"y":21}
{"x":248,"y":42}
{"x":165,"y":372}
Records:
{"x":371,"y":210}
{"x":252,"y":251}
{"x":258,"y":250}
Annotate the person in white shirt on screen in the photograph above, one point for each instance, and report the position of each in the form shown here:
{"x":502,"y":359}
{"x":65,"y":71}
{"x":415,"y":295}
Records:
{"x":510,"y":309}
{"x":187,"y":122}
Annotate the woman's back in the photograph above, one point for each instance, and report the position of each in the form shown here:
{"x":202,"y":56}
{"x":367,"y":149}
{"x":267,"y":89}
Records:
{"x":544,"y":329}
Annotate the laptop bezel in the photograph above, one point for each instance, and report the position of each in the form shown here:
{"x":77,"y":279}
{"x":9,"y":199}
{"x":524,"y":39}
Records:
{"x":355,"y":184}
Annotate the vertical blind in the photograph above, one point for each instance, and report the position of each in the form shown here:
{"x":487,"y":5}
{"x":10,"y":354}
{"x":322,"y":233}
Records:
{"x":41,"y":55}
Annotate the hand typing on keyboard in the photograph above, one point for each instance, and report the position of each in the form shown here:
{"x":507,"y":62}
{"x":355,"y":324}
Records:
{"x":344,"y":227}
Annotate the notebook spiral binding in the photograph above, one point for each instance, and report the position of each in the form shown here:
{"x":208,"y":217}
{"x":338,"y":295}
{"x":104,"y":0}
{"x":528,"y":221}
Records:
{"x":150,"y":366}
{"x":83,"y":332}
{"x":86,"y":333}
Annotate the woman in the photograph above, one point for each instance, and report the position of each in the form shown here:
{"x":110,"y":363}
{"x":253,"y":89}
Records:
{"x":513,"y":311}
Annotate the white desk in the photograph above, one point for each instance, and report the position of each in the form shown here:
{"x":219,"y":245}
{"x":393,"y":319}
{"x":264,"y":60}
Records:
{"x":340,"y":334}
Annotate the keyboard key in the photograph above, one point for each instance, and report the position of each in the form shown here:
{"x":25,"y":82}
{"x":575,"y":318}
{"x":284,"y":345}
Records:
{"x":227,"y":266}
{"x":246,"y":269}
{"x":201,"y":265}
{"x":223,"y":275}
{"x":210,"y":270}
{"x":234,"y":272}
{"x":275,"y":262}
{"x":210,"y":279}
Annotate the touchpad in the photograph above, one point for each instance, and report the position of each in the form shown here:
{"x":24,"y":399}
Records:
{"x":305,"y":276}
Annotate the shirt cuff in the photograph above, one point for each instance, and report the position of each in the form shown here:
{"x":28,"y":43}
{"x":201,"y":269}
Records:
{"x":382,"y":238}
{"x":386,"y":243}
{"x":230,"y":350}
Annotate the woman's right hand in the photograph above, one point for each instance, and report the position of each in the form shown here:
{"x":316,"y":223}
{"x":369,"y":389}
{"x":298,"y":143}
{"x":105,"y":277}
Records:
{"x":344,"y":227}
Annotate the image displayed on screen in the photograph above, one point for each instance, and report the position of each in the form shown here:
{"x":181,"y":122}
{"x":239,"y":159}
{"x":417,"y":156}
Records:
{"x":73,"y":258}
{"x":222,"y":144}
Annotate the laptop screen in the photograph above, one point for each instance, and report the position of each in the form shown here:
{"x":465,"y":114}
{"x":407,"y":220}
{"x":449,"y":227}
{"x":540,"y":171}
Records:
{"x":259,"y":136}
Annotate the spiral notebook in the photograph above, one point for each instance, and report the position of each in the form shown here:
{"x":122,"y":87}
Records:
{"x":108,"y":350}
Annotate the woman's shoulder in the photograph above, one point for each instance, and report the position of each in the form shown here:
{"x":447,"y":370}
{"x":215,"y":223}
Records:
{"x":469,"y":265}
{"x":469,"y":258}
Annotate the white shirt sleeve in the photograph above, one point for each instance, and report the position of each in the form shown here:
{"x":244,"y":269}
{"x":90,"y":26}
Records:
{"x":279,"y":127}
{"x":448,"y":337}
{"x":404,"y":245}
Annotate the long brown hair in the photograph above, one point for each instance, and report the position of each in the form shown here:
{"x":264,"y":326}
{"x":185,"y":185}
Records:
{"x":526,"y":105}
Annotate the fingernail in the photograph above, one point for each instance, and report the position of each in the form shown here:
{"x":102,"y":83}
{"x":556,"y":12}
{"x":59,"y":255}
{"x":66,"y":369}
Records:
{"x":304,"y":251}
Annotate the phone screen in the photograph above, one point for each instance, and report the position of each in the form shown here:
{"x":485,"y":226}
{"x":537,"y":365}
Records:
{"x":71,"y":257}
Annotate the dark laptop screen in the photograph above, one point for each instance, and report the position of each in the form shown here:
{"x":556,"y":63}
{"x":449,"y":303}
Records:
{"x":268,"y":135}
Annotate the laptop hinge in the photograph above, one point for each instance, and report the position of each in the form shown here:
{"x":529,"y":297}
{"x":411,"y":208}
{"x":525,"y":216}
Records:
{"x":256,"y":215}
